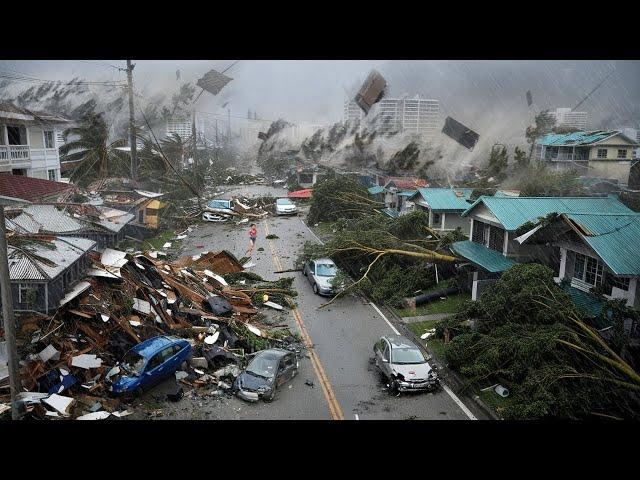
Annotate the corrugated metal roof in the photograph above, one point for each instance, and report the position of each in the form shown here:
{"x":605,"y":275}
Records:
{"x":614,"y":238}
{"x":586,"y":302}
{"x":446,"y":198}
{"x":375,"y":189}
{"x":47,"y":218}
{"x":113,"y":219}
{"x":482,"y":256}
{"x":512,"y":212}
{"x":67,"y":251}
{"x":407,"y":193}
{"x":576,"y":138}
{"x":393,"y":213}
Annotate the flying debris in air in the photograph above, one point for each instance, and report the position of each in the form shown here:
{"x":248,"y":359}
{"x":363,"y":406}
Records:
{"x":371,"y":92}
{"x":529,"y":98}
{"x":460,"y":133}
{"x":262,"y":136}
{"x":213,"y":82}
{"x":177,"y":74}
{"x":224,"y":104}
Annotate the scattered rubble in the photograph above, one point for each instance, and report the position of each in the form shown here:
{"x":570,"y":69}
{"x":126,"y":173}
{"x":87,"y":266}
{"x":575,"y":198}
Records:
{"x":207,"y":299}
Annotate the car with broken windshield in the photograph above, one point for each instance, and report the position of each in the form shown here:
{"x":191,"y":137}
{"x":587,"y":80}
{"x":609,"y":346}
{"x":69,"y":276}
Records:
{"x":403,"y":366}
{"x":147,"y":364}
{"x":267,"y":371}
{"x":321,"y":274}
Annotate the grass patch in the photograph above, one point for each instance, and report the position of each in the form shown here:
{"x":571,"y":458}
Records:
{"x":495,"y":401}
{"x":450,"y":304}
{"x":419,"y":328}
{"x":436,"y":346}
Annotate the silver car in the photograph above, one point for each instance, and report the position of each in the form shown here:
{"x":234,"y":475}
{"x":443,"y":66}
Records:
{"x":320,"y":273}
{"x":284,"y":206}
{"x":403,"y":366}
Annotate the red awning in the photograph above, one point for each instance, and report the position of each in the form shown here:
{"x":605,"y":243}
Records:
{"x":306,"y":193}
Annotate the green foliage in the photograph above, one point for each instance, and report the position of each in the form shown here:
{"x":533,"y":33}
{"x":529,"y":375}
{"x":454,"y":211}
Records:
{"x":520,"y":158}
{"x":537,"y":180}
{"x":498,"y":162}
{"x":340,"y":197}
{"x":531,"y":338}
{"x":544,"y":124}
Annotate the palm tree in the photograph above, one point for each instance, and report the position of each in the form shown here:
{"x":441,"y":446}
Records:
{"x":97,"y":157}
{"x":176,"y":149}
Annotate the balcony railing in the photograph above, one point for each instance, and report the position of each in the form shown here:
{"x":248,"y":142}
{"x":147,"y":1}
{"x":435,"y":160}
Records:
{"x":563,"y":157}
{"x":14,"y":154}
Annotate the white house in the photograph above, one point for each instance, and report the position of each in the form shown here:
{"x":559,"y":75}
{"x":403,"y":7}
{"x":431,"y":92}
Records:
{"x":29,"y":142}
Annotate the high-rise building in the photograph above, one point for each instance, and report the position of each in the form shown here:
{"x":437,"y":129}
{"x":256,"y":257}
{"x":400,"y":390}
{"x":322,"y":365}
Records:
{"x":181,"y":126}
{"x":352,"y":112}
{"x":414,"y":115}
{"x":566,"y":118}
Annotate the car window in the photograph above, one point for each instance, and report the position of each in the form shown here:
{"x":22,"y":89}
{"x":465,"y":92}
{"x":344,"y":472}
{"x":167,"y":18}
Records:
{"x":155,"y":361}
{"x":287,"y":361}
{"x":167,"y":353}
{"x":312,"y":267}
{"x":407,"y":356}
{"x":385,"y":350}
{"x":176,"y":348}
{"x":326,"y":270}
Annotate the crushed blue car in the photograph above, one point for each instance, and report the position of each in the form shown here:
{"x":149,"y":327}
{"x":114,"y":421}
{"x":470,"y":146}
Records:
{"x":147,"y":364}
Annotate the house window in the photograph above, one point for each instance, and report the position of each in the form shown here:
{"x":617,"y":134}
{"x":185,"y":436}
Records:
{"x":622,"y":153}
{"x":588,"y":269}
{"x":27,"y":293}
{"x":48,"y":139}
{"x":602,"y":153}
{"x":17,"y":135}
{"x":141,"y":216}
{"x":621,"y":283}
{"x":478,"y":232}
{"x":496,"y":239}
{"x":436,"y":220}
{"x":52,"y":175}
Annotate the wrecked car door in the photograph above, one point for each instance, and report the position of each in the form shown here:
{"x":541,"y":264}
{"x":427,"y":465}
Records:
{"x":150,"y":374}
{"x":385,"y":358}
{"x":288,"y":366}
{"x":311,"y":270}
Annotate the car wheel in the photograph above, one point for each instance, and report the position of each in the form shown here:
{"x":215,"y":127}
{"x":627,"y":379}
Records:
{"x":269,"y":398}
{"x":315,"y":288}
{"x":393,"y":386}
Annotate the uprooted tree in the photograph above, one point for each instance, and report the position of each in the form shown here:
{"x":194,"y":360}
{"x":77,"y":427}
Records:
{"x":390,"y":258}
{"x":530,"y":337}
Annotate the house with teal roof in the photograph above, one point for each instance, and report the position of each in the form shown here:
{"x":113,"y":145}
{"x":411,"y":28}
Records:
{"x":605,"y":154}
{"x":445,"y":207}
{"x":499,"y":224}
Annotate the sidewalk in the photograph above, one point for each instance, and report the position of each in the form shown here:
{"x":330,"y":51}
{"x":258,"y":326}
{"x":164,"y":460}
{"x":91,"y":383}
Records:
{"x":424,"y":318}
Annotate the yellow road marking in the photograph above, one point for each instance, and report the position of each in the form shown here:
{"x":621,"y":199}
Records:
{"x":335,"y":411}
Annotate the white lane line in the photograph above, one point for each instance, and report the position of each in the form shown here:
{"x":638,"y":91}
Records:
{"x":459,"y":402}
{"x":453,"y":396}
{"x":357,"y":417}
{"x":385,"y":318}
{"x":311,"y":232}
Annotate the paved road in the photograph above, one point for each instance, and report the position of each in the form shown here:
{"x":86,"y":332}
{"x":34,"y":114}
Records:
{"x":342,"y":335}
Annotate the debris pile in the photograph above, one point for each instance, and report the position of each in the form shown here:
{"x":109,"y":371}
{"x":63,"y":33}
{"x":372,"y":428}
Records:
{"x":206,"y":299}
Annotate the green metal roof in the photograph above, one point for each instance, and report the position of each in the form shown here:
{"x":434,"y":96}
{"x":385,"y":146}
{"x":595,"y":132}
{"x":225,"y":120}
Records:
{"x":512,"y":212}
{"x":482,"y":256}
{"x":446,"y":198}
{"x":614,"y":238}
{"x":407,"y":193}
{"x":576,"y":138}
{"x":588,"y":303}
{"x":375,"y":189}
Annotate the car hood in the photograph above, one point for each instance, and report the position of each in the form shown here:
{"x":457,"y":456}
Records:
{"x":124,"y":383}
{"x":324,"y":282}
{"x":250,"y":382}
{"x":420,"y":370}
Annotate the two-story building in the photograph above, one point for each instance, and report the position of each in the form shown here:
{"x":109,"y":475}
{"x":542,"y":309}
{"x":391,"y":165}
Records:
{"x":29,"y":142}
{"x":605,"y":154}
{"x":445,"y":207}
{"x":496,"y":232}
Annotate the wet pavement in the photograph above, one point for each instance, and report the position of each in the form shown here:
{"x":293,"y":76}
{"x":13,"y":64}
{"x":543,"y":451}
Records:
{"x":342,"y":333}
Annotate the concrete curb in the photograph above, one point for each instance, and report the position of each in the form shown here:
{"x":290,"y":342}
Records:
{"x":454,"y":379}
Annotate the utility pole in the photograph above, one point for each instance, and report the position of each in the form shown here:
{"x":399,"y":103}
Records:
{"x":132,"y":130}
{"x":9,"y":321}
{"x":228,"y":124}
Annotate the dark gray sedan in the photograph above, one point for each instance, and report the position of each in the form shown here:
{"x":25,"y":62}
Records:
{"x":268,"y":370}
{"x":403,"y":366}
{"x":320,"y":273}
